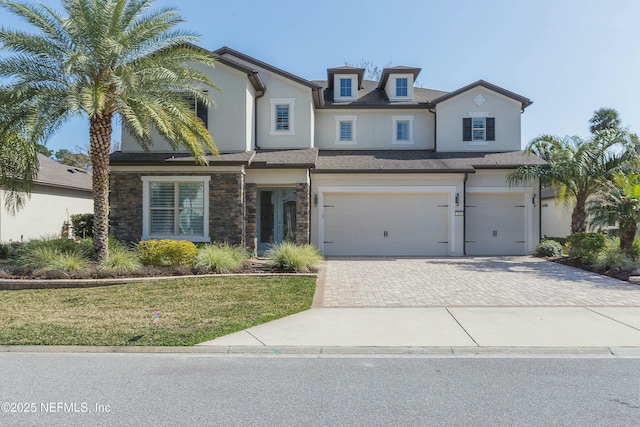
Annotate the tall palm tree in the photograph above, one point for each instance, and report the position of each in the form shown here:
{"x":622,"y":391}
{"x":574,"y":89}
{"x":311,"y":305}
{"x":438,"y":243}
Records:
{"x":577,"y":166}
{"x":604,"y":118}
{"x":618,"y":202}
{"x":107,"y":60}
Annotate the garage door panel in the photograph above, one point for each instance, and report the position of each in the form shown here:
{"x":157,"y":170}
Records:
{"x":386,"y":224}
{"x":495,"y":224}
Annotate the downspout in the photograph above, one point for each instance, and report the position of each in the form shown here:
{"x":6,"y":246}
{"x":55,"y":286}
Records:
{"x":464,"y":215}
{"x":255,"y":119}
{"x":539,"y":211}
{"x":435,"y":130}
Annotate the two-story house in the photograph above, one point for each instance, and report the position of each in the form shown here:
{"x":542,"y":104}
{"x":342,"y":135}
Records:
{"x":353,"y":166}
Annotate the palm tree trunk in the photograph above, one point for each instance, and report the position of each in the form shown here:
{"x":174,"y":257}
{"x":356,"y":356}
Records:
{"x":100,"y":140}
{"x":579,"y":216}
{"x":627,"y":234}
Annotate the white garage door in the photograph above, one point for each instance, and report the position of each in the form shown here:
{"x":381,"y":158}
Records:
{"x":360,"y":224}
{"x":495,"y":224}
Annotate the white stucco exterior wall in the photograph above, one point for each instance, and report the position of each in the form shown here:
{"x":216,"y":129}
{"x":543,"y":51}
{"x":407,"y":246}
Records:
{"x":505,"y":110}
{"x":556,"y":218}
{"x":44,"y":213}
{"x":373,"y":129}
{"x":231,"y":120}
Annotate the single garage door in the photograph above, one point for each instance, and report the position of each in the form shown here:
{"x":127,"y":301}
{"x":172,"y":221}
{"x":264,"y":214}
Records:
{"x":361,"y":224}
{"x":495,"y":224}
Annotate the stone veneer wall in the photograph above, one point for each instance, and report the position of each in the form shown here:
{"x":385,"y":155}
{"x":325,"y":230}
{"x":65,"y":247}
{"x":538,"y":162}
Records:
{"x":251,"y":209}
{"x":226,"y":206}
{"x":302,"y":213}
{"x":125,"y":206}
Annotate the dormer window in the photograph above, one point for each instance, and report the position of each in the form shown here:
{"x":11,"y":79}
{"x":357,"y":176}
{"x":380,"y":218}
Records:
{"x":401,"y":86}
{"x":345,"y":87}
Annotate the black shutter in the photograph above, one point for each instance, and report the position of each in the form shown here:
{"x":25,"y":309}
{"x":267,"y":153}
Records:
{"x":202,"y":112}
{"x":491,"y":129}
{"x":466,"y":129}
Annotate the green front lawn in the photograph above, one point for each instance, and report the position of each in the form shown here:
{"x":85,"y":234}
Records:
{"x":191,"y":311}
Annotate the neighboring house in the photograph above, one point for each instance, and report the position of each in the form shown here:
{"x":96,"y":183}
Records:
{"x":355,"y":167}
{"x":58,"y":192}
{"x":555,"y":215}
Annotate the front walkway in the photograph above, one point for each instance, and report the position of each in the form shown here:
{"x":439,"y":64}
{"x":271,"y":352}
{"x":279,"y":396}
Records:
{"x":467,"y":282}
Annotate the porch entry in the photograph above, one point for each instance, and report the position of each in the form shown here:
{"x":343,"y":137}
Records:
{"x":276,"y":216}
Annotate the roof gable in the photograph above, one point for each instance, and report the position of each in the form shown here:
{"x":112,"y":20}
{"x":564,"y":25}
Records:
{"x":525,"y":102}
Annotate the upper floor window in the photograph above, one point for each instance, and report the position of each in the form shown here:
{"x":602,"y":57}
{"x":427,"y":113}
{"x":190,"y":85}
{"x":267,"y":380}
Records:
{"x":479,"y":130}
{"x":402,"y":88}
{"x":282,"y":116}
{"x":346,"y":129}
{"x":199,"y":108}
{"x":402,"y":129}
{"x":345,"y":87}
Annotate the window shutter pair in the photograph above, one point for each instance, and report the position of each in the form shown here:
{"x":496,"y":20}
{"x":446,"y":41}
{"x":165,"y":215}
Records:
{"x":491,"y":129}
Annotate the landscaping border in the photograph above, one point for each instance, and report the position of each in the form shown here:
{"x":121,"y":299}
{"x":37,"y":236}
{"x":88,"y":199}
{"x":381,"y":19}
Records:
{"x":23,"y":284}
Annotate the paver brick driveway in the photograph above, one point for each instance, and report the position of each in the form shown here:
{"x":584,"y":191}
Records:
{"x":468,"y":282}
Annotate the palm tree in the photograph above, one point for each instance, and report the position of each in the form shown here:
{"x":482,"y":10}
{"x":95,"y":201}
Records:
{"x":604,"y":118}
{"x":618,"y":201}
{"x":107,"y":60}
{"x":577,"y":166}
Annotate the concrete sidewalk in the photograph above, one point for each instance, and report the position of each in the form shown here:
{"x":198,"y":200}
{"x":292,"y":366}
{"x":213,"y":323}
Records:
{"x":519,"y":327}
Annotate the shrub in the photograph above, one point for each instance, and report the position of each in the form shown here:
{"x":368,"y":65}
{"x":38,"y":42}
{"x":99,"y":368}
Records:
{"x":586,"y":246}
{"x":5,"y":250}
{"x":121,"y":258}
{"x":636,"y":249}
{"x":36,"y":253}
{"x":289,"y":257}
{"x":167,"y":253}
{"x":82,"y":225}
{"x":68,"y":261}
{"x":221,"y":258}
{"x":612,"y":258}
{"x":549,"y":248}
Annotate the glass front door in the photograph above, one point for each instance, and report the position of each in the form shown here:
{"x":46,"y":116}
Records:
{"x":276,"y":216}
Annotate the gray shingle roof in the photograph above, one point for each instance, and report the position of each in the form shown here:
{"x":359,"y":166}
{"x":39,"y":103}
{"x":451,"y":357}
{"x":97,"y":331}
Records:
{"x":372,"y":97}
{"x":419,"y":161}
{"x":120,"y":158}
{"x":285,"y":158}
{"x":256,"y":159}
{"x":54,"y":174}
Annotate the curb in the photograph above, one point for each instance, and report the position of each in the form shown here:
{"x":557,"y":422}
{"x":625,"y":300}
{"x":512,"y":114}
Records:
{"x":436,"y":352}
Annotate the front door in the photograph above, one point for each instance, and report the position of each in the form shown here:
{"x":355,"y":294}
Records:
{"x":276,"y":216}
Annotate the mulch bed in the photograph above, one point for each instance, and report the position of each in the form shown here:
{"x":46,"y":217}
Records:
{"x":620,"y":274}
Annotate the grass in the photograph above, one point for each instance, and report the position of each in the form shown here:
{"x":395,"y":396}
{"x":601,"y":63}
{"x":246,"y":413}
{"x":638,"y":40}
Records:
{"x":192,"y":311}
{"x":221,"y":258}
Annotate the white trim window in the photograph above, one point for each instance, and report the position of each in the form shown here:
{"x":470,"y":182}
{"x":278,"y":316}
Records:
{"x":175,"y":207}
{"x":282,"y":116}
{"x":478,"y":129}
{"x":346,"y":130}
{"x":402,"y":130}
{"x":402,"y":87}
{"x":345,"y":87}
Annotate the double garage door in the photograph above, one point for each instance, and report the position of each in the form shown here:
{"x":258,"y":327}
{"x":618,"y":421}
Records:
{"x":361,"y":224}
{"x":406,"y":224}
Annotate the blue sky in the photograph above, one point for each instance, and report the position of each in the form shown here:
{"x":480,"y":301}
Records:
{"x":569,"y":57}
